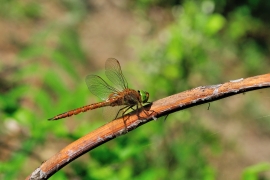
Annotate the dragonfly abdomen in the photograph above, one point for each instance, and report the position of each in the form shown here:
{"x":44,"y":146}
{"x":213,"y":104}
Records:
{"x":81,"y":109}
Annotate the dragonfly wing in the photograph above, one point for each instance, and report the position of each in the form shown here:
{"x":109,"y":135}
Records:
{"x":99,"y":87}
{"x":114,"y":73}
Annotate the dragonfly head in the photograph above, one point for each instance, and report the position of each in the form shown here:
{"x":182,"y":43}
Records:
{"x":144,"y":96}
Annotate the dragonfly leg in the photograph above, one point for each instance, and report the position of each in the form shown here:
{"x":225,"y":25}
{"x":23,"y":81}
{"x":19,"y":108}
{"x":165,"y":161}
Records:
{"x":124,"y":120}
{"x":120,"y":111}
{"x":145,"y":111}
{"x":126,"y":108}
{"x":151,"y":111}
{"x":137,"y":110}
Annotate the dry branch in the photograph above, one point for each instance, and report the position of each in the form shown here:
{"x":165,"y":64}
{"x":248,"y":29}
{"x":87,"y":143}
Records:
{"x":162,"y":107}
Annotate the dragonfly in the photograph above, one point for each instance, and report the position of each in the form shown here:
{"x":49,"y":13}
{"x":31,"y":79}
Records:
{"x":117,"y":95}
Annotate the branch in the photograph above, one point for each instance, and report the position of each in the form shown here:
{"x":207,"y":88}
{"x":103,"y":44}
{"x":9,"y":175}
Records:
{"x":162,"y":107}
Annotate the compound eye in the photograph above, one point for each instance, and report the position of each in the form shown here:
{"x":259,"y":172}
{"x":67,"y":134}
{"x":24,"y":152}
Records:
{"x":144,"y":96}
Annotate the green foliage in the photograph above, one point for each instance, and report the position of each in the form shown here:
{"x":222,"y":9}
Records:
{"x":253,"y":172}
{"x":47,"y":80}
{"x":19,"y":10}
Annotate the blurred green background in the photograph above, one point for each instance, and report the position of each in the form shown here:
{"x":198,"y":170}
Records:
{"x":47,"y":48}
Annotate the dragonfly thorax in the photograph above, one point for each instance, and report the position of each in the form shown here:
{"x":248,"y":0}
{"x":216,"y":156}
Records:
{"x":128,"y":97}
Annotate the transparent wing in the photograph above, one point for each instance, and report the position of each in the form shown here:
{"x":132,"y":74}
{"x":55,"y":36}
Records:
{"x":114,"y":74}
{"x":99,"y":87}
